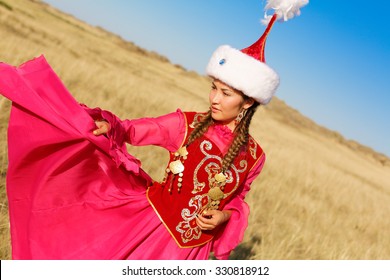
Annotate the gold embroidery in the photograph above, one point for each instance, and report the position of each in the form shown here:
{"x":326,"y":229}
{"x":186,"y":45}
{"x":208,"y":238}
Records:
{"x":252,"y":147}
{"x":213,"y":168}
{"x":205,"y":145}
{"x":244,"y":166}
{"x":188,"y":228}
{"x":197,"y":119}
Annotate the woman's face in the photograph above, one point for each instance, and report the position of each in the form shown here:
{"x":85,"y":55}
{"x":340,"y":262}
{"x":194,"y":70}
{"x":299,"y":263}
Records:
{"x":226,"y":103}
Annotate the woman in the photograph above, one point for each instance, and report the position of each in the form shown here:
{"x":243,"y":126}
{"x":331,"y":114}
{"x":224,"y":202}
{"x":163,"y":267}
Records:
{"x":75,"y":194}
{"x":209,"y":172}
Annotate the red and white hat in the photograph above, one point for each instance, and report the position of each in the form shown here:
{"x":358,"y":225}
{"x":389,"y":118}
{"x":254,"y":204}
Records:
{"x":245,"y":69}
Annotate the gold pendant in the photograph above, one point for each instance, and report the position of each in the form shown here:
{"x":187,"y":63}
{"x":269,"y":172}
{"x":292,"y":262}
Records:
{"x":176,"y":167}
{"x":183,"y":151}
{"x":220,"y":177}
{"x":215,"y":194}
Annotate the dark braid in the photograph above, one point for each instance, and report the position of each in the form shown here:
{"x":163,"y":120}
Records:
{"x":201,"y":127}
{"x":241,"y":137}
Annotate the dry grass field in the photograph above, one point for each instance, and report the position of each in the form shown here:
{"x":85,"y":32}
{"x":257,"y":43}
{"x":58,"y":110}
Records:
{"x":319,"y":195}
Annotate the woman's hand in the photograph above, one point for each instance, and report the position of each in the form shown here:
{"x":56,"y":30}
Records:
{"x":212,"y":218}
{"x":102,"y":127}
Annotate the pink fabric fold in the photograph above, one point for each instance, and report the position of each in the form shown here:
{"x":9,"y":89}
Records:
{"x":116,"y":137}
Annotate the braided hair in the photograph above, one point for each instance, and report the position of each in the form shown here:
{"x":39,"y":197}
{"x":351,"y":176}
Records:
{"x":241,"y":133}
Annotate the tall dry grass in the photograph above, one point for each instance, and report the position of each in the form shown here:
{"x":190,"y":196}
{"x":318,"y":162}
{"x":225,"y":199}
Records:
{"x":4,"y":222}
{"x":318,"y":197}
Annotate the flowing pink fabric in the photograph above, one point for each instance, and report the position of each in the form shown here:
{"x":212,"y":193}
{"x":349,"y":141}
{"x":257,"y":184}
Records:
{"x":73,"y":195}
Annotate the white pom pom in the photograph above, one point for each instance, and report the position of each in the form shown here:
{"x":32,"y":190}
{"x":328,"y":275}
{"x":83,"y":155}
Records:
{"x":286,"y":9}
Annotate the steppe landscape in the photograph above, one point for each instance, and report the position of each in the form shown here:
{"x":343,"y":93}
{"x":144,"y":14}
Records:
{"x":320,"y":196}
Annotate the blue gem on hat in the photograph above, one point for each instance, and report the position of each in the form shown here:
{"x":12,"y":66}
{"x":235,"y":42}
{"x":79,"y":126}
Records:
{"x":222,"y":61}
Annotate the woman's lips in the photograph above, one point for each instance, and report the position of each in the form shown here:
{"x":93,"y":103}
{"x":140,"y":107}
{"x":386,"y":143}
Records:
{"x":214,"y":109}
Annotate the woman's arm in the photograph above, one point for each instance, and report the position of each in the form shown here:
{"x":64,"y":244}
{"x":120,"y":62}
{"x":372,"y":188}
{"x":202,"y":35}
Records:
{"x":167,"y":131}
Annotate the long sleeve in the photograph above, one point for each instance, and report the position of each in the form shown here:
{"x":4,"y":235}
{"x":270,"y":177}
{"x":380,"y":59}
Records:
{"x":167,"y":131}
{"x":233,"y":231}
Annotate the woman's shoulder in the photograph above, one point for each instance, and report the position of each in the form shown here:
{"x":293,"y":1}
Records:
{"x":193,"y":113}
{"x":193,"y":118}
{"x":254,"y":148}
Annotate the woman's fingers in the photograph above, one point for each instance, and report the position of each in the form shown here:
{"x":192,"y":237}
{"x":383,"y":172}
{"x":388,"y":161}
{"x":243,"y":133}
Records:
{"x":203,"y":223}
{"x":207,"y":221}
{"x":210,"y":219}
{"x":102,"y":127}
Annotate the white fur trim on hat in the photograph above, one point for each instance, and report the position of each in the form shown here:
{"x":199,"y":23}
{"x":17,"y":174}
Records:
{"x":243,"y":72}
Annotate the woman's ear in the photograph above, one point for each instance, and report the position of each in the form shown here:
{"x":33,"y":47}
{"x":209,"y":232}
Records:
{"x":248,"y":103}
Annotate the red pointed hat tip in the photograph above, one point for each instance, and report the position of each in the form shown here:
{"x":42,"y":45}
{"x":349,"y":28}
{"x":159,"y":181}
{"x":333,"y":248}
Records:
{"x":256,"y":50}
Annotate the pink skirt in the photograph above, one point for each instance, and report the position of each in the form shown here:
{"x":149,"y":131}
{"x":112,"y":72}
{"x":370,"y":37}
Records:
{"x":73,"y":195}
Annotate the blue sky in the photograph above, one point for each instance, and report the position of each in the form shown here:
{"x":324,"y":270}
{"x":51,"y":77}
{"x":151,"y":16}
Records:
{"x":333,"y":60}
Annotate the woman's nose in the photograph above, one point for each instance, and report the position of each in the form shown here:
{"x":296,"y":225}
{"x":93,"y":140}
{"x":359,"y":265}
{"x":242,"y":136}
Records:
{"x":216,"y":98}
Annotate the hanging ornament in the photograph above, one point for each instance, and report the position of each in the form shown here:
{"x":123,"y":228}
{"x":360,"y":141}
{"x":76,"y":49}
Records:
{"x":176,"y":166}
{"x":220,"y":177}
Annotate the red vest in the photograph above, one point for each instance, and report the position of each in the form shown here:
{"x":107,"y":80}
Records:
{"x":178,"y":209}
